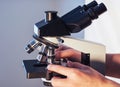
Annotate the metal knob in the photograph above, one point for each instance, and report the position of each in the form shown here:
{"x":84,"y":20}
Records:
{"x":50,"y":15}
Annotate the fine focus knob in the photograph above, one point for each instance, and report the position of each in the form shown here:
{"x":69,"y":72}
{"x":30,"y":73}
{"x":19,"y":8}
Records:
{"x":50,"y":15}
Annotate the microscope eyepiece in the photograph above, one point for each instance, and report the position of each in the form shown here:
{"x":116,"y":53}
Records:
{"x":92,"y":4}
{"x":81,"y":17}
{"x":99,"y":9}
{"x":96,"y":11}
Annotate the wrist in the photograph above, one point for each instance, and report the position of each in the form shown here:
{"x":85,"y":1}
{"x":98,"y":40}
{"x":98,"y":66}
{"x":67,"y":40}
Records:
{"x":110,"y":83}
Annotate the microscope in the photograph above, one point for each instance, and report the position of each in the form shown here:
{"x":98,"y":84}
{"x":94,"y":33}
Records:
{"x":52,"y":31}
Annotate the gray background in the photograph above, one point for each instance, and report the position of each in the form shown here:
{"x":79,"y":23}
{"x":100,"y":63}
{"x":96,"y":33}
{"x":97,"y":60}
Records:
{"x":17,"y":18}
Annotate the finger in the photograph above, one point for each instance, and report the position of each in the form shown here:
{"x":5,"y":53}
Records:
{"x":57,"y":82}
{"x":73,"y":55}
{"x":59,"y":69}
{"x":76,"y":65}
{"x":64,"y":53}
{"x":62,"y":47}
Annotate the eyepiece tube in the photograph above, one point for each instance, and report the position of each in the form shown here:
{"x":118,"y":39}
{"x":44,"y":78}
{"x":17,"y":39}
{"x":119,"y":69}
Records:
{"x":101,"y":8}
{"x":96,"y":11}
{"x":90,"y":5}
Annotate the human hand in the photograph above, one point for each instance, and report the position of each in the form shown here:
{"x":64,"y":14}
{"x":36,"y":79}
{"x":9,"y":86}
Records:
{"x":79,"y":75}
{"x":68,"y":52}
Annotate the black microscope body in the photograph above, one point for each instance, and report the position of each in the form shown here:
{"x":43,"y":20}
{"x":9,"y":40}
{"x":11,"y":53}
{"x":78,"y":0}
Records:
{"x":55,"y":26}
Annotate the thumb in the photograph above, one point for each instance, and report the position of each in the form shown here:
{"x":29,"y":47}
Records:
{"x":59,"y":69}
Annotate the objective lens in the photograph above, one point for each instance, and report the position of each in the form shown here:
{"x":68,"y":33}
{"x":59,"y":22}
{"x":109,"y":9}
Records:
{"x":32,"y":46}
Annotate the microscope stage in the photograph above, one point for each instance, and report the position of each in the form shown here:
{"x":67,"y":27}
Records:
{"x":34,"y":69}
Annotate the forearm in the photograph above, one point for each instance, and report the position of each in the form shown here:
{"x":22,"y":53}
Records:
{"x":113,"y":65}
